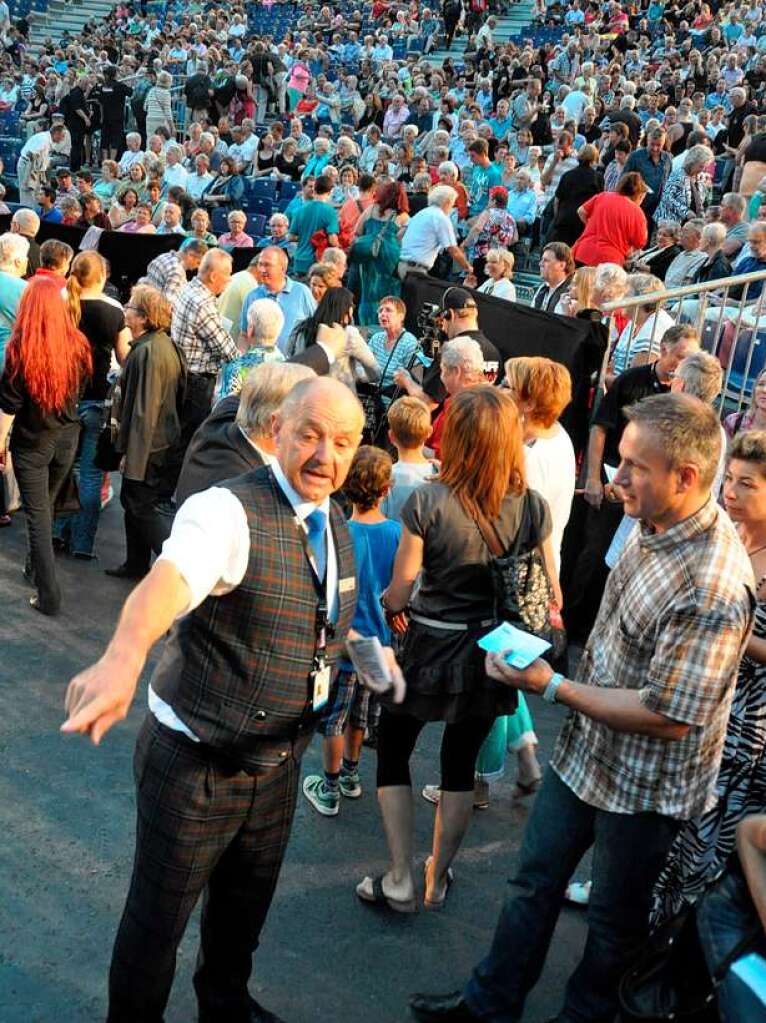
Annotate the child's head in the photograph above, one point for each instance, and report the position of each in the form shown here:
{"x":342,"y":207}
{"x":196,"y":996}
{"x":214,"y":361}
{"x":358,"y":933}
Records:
{"x":409,"y":423}
{"x":369,"y":478}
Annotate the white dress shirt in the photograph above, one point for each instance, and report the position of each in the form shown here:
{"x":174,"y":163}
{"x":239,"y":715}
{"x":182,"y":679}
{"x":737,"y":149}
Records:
{"x":210,"y":546}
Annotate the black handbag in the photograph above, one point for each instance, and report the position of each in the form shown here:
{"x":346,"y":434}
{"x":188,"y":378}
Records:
{"x":523,"y":591}
{"x":107,"y":458}
{"x":371,"y":399}
{"x":670,"y":980}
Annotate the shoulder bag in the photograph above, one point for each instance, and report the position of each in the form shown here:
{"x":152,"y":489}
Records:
{"x":523,"y":591}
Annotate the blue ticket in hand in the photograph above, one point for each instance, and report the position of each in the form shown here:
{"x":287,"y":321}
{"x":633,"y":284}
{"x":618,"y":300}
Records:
{"x":520,"y":648}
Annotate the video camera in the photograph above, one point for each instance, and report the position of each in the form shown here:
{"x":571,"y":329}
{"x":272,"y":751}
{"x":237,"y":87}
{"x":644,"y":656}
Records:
{"x":430,"y":328}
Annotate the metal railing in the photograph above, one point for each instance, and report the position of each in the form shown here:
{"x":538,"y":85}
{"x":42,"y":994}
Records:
{"x":731,"y":328}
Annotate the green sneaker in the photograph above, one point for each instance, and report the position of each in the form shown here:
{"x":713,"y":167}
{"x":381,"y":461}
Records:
{"x":325,"y":802}
{"x":350,"y":786}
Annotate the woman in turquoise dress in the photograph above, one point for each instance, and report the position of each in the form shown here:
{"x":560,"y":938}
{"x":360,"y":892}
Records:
{"x":376,"y":251}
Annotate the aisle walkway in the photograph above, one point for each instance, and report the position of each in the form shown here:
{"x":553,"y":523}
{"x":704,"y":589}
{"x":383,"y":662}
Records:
{"x":66,"y":817}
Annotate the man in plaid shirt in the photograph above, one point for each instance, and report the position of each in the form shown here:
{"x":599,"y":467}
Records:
{"x":167,"y":273}
{"x":200,"y":332}
{"x":640,"y":749}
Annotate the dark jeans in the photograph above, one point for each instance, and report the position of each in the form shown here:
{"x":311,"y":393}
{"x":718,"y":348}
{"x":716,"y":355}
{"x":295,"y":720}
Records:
{"x":204,"y":827}
{"x":78,"y":530}
{"x":40,"y":472}
{"x":628,"y":853}
{"x":198,"y":400}
{"x":148,"y":520}
{"x":725,"y":915}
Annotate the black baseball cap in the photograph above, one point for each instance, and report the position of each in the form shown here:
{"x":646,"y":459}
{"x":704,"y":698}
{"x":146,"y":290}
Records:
{"x":458,"y":298}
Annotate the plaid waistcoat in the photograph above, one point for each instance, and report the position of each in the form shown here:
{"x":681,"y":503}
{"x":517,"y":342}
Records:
{"x":236,"y":669}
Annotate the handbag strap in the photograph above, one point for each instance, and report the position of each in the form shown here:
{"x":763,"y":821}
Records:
{"x":739,"y":949}
{"x":491,"y":537}
{"x":391,"y":355}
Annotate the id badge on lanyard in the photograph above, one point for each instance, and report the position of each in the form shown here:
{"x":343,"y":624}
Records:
{"x":319,"y":676}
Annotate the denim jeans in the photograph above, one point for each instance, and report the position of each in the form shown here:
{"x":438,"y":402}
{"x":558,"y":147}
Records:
{"x":724,"y":916}
{"x":79,"y":529}
{"x":628,"y":853}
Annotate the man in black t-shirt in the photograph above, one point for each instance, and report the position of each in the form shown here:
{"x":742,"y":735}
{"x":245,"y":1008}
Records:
{"x":584,"y":575}
{"x":460,"y":318}
{"x":111,"y":97}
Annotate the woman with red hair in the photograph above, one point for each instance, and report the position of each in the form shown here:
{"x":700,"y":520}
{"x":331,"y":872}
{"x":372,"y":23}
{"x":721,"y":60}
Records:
{"x":46,"y":364}
{"x":377,"y":250}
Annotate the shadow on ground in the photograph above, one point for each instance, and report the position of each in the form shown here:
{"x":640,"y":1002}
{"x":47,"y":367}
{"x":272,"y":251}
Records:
{"x":66,"y":816}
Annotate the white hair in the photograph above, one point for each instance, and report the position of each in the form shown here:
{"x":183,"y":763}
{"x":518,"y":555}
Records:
{"x":265,"y":388}
{"x":714,"y":233}
{"x":463,"y":353}
{"x":448,"y":167}
{"x":13,"y":247}
{"x":265,"y":321}
{"x":440,"y":195}
{"x":27,"y":221}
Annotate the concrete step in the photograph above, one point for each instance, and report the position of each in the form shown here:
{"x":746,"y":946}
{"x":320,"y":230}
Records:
{"x":516,"y":22}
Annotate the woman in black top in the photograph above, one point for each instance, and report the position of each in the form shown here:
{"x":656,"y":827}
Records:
{"x":481,"y":488}
{"x":47,"y":362}
{"x":288,"y":164}
{"x":102,"y":321}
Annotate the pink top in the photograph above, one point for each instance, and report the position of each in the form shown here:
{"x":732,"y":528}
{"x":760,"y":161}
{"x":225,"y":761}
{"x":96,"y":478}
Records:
{"x":242,"y":241}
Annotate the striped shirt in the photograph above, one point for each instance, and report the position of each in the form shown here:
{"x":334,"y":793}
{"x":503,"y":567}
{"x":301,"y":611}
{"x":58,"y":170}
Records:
{"x":673,"y":622}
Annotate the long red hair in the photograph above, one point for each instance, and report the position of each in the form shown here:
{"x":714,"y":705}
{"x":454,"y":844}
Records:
{"x":46,"y":349}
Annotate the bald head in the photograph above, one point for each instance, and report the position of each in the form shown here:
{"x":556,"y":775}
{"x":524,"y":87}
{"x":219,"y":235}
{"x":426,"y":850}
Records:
{"x":317,"y":430}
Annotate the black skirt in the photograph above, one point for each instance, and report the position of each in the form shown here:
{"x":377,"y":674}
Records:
{"x":446,"y":680}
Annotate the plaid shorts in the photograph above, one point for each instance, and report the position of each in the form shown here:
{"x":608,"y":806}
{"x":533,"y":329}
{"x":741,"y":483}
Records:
{"x":349,"y":702}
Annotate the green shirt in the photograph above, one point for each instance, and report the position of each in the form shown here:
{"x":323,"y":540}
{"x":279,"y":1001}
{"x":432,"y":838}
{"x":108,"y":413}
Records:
{"x":312,"y":216}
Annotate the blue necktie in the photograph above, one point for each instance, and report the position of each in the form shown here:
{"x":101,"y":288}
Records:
{"x":316,"y":524}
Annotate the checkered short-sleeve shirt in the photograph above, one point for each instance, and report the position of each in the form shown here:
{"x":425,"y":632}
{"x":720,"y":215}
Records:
{"x":676,"y":614}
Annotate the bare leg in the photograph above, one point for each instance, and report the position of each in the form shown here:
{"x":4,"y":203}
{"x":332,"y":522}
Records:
{"x":399,"y":822}
{"x":452,"y":819}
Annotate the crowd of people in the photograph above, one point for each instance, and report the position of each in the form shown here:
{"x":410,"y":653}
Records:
{"x":299,"y":470}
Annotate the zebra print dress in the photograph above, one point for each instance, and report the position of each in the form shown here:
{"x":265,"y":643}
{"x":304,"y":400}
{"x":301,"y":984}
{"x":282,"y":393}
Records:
{"x":703,"y":845}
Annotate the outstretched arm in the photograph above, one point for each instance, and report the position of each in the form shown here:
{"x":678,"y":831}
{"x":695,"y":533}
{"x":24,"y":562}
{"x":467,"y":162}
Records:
{"x":101,"y":695}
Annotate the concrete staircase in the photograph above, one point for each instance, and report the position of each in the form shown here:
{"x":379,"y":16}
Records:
{"x":519,"y":18}
{"x":62,"y":15}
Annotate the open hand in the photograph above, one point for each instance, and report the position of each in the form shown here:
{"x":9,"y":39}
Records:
{"x":99,"y":697}
{"x":533,"y":679}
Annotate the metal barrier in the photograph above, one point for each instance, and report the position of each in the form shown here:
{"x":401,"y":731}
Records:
{"x":731,"y":327}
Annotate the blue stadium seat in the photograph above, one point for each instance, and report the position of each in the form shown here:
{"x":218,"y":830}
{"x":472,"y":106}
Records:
{"x":263,"y":188}
{"x":744,"y":362}
{"x":259,"y":205}
{"x":256,"y":226}
{"x":218,"y":222}
{"x":287,"y":189}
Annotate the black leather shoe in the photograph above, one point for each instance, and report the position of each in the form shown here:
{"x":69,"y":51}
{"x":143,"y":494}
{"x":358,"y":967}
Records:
{"x":257,"y":1015}
{"x":124,"y":572}
{"x":441,"y":1008}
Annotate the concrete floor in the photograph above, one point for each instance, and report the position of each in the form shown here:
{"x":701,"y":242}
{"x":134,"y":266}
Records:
{"x":67,"y":824}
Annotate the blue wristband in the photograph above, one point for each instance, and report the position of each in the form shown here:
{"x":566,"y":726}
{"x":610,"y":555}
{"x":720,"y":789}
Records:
{"x":551,"y":689}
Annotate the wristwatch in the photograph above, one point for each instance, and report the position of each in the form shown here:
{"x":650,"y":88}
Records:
{"x":549,"y":695}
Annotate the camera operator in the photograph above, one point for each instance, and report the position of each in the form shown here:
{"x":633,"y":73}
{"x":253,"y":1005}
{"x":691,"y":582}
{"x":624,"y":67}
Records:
{"x":430,"y":232}
{"x":459,"y":318}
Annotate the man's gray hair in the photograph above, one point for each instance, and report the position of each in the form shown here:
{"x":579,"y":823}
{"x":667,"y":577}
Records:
{"x":27,"y":221}
{"x":671,"y":227}
{"x":265,"y":321}
{"x":463,"y":353}
{"x":757,"y":227}
{"x":735,"y":201}
{"x":714,"y":234}
{"x":12,"y":247}
{"x":702,"y":375}
{"x":263,"y":391}
{"x":688,"y":431}
{"x":645,"y":284}
{"x":214,"y":259}
{"x":440,"y":195}
{"x":448,"y":167}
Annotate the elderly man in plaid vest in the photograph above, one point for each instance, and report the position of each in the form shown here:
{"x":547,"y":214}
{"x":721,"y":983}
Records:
{"x":640,"y":749}
{"x":257,"y":582}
